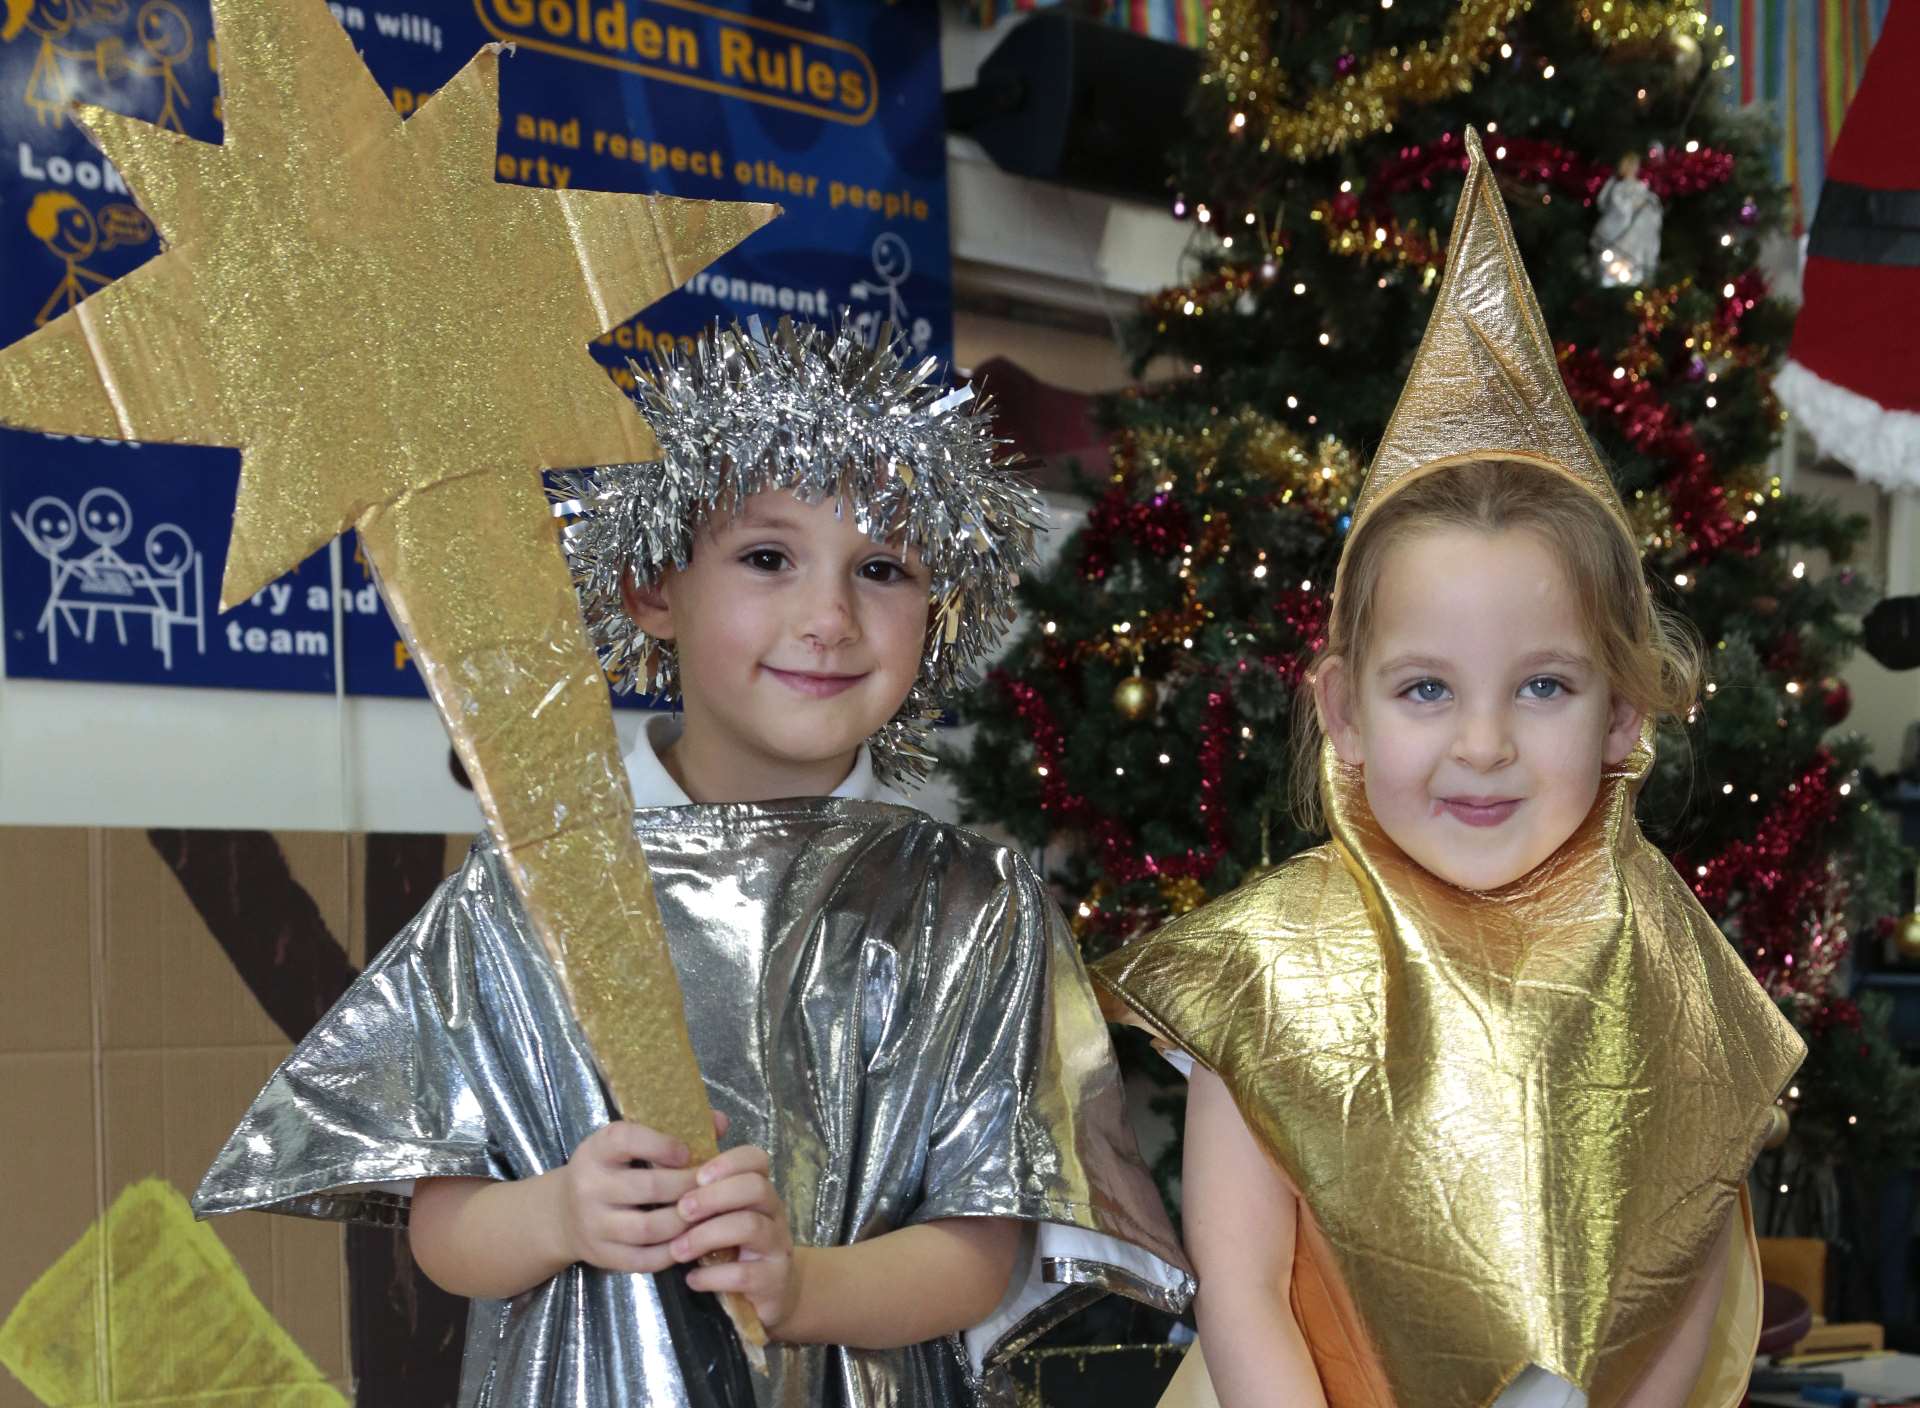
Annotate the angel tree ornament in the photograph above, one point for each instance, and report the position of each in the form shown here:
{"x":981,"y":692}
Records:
{"x":1626,"y":239}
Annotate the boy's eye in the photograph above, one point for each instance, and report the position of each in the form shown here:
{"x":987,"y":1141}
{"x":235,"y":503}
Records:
{"x":882,"y":569}
{"x":765,"y":559}
{"x":1545,"y":687}
{"x":1425,"y":691}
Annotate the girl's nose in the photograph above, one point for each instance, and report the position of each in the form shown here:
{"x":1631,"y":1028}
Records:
{"x":1485,"y":739}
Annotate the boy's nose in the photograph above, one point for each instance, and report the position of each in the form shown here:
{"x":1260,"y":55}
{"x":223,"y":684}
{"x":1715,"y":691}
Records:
{"x":828,"y":619}
{"x":1485,"y":739}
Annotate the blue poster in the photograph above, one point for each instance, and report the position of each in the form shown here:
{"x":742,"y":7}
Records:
{"x":832,"y":111}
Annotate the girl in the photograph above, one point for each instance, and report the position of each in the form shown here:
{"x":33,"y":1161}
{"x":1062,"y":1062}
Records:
{"x":1477,"y":1083}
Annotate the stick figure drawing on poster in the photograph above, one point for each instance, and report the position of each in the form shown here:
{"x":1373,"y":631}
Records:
{"x":167,"y":587}
{"x":892,"y":261}
{"x":168,"y":38}
{"x":48,"y":91}
{"x":70,"y":233}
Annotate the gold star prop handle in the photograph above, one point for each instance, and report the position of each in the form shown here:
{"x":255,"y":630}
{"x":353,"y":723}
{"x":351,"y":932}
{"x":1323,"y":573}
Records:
{"x":396,"y":342}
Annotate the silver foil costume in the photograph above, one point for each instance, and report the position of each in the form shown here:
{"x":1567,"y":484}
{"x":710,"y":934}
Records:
{"x":891,"y":1006}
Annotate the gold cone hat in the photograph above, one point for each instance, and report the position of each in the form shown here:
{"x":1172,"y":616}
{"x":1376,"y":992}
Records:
{"x":1485,"y":382}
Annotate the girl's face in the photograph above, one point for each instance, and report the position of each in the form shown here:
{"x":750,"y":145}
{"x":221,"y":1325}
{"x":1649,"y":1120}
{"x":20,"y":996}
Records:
{"x":1480,"y":721}
{"x":797,"y":637}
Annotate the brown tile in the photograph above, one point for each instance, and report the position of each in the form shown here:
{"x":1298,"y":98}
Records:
{"x":45,"y":938}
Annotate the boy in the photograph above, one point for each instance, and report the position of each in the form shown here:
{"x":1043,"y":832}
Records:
{"x":931,"y":1160}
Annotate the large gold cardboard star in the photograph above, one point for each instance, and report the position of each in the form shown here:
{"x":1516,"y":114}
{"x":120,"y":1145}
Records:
{"x":396,"y":342}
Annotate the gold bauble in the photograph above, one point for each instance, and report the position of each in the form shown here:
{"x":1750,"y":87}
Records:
{"x":1777,"y":1126}
{"x":1687,"y":55}
{"x":1906,"y":938}
{"x":1135,"y":698}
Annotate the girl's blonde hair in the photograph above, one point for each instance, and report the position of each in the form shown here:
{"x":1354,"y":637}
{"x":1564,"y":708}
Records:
{"x":1648,"y":654}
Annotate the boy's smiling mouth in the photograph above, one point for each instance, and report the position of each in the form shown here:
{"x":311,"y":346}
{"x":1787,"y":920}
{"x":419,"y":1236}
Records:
{"x":815,"y":684}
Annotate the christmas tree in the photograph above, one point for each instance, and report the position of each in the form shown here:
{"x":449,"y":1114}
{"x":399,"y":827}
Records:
{"x":1141,"y":728}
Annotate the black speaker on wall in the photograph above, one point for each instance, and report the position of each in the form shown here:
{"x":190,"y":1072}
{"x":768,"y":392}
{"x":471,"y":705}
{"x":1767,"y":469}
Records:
{"x":1072,"y":100}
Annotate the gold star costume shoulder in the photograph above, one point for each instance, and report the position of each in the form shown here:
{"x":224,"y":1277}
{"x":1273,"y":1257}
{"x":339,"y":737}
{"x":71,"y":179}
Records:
{"x":1518,"y":1121}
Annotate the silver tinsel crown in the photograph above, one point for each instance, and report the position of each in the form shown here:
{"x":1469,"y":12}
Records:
{"x":825,"y":414}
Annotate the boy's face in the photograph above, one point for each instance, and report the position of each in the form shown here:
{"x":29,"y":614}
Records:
{"x":797,"y":636}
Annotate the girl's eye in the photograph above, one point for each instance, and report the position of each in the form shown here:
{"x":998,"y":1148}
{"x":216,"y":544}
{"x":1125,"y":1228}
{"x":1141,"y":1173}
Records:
{"x":765,"y":559}
{"x":1425,"y":691}
{"x":882,"y":569}
{"x":1545,"y":687}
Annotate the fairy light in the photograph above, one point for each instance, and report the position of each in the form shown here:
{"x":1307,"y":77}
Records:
{"x":1727,"y":290}
{"x":1119,"y":772}
{"x":1050,"y":627}
{"x":1306,"y":586}
{"x":1346,"y":187}
{"x":1260,"y":572}
{"x":1712,"y":401}
{"x":1299,"y":289}
{"x":1293,"y":403}
{"x":1679,"y":579}
{"x":1846,"y":789}
{"x":1547,"y":72}
{"x":1799,"y":570}
{"x":1727,"y":788}
{"x":1250,"y":217}
{"x":1085,"y":910}
{"x":1693,"y":146}
{"x":1793,"y":686}
{"x":1726,"y":241}
{"x":1165,"y":759}
{"x":1179,"y":208}
{"x":1239,"y":121}
{"x":1203,"y":215}
{"x":1042,"y":769}
{"x":1325,"y":339}
{"x":1506,"y":51}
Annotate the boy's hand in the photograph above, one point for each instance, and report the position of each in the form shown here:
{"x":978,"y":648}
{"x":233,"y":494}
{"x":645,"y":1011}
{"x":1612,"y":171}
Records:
{"x":733,"y":1205}
{"x":619,"y":1217}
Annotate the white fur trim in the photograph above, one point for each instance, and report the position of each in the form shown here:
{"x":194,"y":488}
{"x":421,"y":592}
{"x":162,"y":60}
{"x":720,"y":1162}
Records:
{"x":1876,"y":443}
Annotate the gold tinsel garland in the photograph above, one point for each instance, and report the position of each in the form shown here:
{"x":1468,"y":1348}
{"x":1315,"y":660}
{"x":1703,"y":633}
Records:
{"x":1369,"y":99}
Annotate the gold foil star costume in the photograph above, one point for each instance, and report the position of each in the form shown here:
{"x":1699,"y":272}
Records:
{"x":1517,"y":1121}
{"x":396,"y":342}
